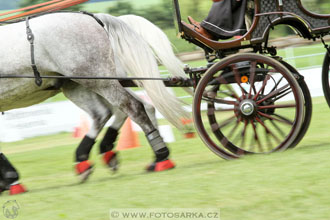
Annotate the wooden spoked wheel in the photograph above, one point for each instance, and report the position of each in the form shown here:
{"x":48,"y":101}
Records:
{"x":248,"y":103}
{"x":325,"y":77}
{"x":308,"y":108}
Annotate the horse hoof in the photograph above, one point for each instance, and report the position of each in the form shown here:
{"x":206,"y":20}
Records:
{"x":17,"y":189}
{"x":160,"y":166}
{"x":111,"y":160}
{"x":84,"y":169}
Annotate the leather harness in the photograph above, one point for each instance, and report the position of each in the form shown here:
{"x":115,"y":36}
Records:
{"x":30,"y":38}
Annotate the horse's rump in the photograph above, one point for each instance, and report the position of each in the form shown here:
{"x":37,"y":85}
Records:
{"x":65,"y":44}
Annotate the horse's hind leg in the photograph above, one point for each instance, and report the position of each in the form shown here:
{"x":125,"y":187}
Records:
{"x":117,"y":120}
{"x":98,"y":109}
{"x":134,"y":108}
{"x":9,"y":177}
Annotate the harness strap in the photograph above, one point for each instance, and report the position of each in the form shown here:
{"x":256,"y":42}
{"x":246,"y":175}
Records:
{"x":30,"y":38}
{"x":93,"y":16}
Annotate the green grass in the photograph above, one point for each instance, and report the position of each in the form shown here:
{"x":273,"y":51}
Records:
{"x":289,"y":185}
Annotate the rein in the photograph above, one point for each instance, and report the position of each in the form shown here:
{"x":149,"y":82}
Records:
{"x":4,"y":76}
{"x":49,"y":6}
{"x":124,"y":81}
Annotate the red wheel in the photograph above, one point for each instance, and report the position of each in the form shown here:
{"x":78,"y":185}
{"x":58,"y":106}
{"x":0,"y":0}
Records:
{"x":235,"y":116}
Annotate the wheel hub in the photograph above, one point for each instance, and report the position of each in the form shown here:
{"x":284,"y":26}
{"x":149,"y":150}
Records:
{"x":246,"y":108}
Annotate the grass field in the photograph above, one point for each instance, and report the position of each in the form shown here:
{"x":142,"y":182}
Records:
{"x":289,"y":185}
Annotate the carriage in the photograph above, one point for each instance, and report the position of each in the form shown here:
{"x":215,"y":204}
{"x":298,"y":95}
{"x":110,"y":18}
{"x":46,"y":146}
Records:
{"x":244,"y":102}
{"x":241,"y":103}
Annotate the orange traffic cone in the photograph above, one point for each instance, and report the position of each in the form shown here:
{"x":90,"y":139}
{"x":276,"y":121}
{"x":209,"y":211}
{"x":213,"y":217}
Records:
{"x":189,"y":133}
{"x":127,"y":138}
{"x":82,"y":129}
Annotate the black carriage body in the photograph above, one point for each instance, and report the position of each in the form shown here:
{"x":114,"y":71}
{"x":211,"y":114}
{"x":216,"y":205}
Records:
{"x":265,"y":15}
{"x":291,"y":12}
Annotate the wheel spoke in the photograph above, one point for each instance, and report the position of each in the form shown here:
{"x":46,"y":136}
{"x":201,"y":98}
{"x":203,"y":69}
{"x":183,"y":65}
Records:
{"x":227,"y":122}
{"x":252,"y":78}
{"x":232,"y":94}
{"x":221,"y":79}
{"x":238,"y":80}
{"x":256,"y":138}
{"x":264,"y":83}
{"x":277,"y":128}
{"x":285,"y":121}
{"x":277,"y":106}
{"x":224,"y":110}
{"x":268,"y":141}
{"x":210,"y":97}
{"x":212,"y":110}
{"x":273,"y":93}
{"x":243,"y":134}
{"x":267,"y":129}
{"x":276,"y":84}
{"x":223,"y":101}
{"x":212,"y":93}
{"x":232,"y":131}
{"x":283,"y":94}
{"x":283,"y":118}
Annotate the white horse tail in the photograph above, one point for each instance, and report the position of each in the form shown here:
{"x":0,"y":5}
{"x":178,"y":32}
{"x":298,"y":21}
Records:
{"x":137,"y":58}
{"x":157,"y":40}
{"x":159,"y":43}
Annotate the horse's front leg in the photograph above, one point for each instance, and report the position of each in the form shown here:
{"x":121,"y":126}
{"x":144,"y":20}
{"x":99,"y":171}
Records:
{"x":9,"y":177}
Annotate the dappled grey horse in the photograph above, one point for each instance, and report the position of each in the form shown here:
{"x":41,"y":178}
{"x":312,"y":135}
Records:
{"x":73,"y":44}
{"x":162,"y":49}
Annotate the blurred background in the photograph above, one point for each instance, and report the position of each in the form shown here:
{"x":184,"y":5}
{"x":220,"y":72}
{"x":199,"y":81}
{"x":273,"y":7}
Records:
{"x":41,"y":141}
{"x":160,"y":12}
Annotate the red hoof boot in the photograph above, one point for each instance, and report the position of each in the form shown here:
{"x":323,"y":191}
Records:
{"x":84,"y":169}
{"x":16,"y":189}
{"x":110,"y":158}
{"x":160,"y":166}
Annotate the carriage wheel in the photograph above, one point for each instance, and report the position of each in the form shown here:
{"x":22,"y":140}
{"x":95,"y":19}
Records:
{"x":248,"y":103}
{"x":308,"y":109}
{"x":325,"y":77}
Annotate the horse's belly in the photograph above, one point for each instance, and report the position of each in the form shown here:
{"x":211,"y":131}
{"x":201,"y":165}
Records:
{"x":23,"y":93}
